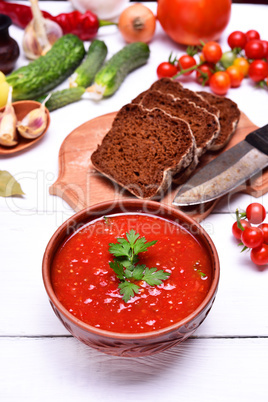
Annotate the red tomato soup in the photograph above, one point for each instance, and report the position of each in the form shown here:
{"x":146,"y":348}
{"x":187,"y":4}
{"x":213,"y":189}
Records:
{"x":88,"y":288}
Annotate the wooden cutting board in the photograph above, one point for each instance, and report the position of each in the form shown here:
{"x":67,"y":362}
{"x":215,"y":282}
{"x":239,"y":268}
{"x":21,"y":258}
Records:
{"x":80,"y":185}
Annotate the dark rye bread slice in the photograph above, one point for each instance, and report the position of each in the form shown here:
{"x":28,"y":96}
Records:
{"x":175,"y":88}
{"x":228,"y":119}
{"x":144,"y":149}
{"x":204,"y":125}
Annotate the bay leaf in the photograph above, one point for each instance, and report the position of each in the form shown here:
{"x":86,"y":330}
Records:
{"x":8,"y":185}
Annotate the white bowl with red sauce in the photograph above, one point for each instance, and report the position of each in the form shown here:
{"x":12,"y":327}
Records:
{"x":84,"y":290}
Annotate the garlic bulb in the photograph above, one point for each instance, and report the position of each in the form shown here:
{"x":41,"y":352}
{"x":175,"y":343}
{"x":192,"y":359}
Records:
{"x":40,"y":34}
{"x":8,"y":121}
{"x":34,"y":123}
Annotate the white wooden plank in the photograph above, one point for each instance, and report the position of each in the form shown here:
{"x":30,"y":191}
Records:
{"x":211,"y":367}
{"x":242,"y":296}
{"x":198,"y":370}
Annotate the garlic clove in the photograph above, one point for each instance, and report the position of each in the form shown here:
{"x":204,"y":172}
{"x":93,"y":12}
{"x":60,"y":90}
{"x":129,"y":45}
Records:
{"x":34,"y":123}
{"x":30,"y":43}
{"x":53,"y":31}
{"x":40,"y":34}
{"x":8,"y":121}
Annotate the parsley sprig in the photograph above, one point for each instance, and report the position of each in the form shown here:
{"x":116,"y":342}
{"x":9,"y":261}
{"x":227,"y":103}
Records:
{"x":126,"y":267}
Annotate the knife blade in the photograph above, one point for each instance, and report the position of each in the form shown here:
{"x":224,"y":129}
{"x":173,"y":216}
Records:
{"x":227,"y":171}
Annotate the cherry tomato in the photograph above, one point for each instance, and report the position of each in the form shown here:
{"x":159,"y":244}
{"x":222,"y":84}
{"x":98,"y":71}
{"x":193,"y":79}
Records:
{"x":188,"y":22}
{"x":166,"y":69}
{"x":237,"y":232}
{"x":254,"y":49}
{"x":252,"y":34}
{"x":258,"y":70}
{"x":227,"y":59}
{"x":255,"y":213}
{"x":264,"y":229}
{"x":203,"y":74}
{"x":236,"y":76}
{"x":220,"y":82}
{"x":260,"y":255}
{"x":243,"y":64}
{"x":237,"y":39}
{"x":212,"y":52}
{"x":185,"y":62}
{"x":252,"y":237}
{"x":265,"y":45}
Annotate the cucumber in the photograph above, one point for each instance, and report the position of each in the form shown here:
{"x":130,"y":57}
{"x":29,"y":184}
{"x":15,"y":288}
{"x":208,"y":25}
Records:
{"x":46,"y":72}
{"x":62,"y":98}
{"x":85,"y":73}
{"x":112,"y":74}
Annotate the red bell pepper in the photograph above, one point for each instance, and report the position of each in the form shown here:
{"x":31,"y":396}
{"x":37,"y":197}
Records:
{"x":85,"y":26}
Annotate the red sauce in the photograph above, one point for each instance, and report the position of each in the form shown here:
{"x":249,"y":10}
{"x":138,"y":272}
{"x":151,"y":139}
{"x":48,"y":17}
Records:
{"x":88,"y":288}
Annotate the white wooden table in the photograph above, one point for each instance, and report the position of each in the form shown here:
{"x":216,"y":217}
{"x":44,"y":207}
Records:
{"x":226,"y":360}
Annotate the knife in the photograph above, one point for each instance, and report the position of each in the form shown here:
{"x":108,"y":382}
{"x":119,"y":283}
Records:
{"x":227,"y":171}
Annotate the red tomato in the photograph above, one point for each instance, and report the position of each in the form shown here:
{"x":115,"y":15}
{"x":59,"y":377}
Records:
{"x":252,"y":237}
{"x":203,"y":74}
{"x":254,"y":49}
{"x":252,"y":34}
{"x":186,"y":62}
{"x":265,"y":45}
{"x":264,"y":229}
{"x":212,"y":52}
{"x":260,"y":255}
{"x":258,"y":70}
{"x":238,"y":232}
{"x":255,"y":213}
{"x":166,"y":69}
{"x":188,"y":22}
{"x":236,"y":76}
{"x":220,"y":82}
{"x":237,"y":39}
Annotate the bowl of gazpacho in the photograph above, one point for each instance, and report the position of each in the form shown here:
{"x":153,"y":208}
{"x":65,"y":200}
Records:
{"x":131,"y":277}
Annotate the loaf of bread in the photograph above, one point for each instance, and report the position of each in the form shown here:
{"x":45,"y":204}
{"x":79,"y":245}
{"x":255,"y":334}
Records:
{"x":161,"y":135}
{"x":228,"y":118}
{"x":144,"y":149}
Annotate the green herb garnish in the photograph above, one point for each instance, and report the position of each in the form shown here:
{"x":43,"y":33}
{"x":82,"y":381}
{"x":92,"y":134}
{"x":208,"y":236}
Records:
{"x":126,"y":267}
{"x":202,"y":274}
{"x":106,"y":220}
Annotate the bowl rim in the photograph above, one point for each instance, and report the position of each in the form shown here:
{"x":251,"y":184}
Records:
{"x":127,"y":335}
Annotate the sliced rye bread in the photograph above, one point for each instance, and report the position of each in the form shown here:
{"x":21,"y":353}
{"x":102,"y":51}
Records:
{"x":204,"y":125}
{"x":144,"y":149}
{"x":175,"y":88}
{"x":229,"y":118}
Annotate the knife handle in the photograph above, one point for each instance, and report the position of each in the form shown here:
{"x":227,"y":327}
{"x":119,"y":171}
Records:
{"x":259,"y":139}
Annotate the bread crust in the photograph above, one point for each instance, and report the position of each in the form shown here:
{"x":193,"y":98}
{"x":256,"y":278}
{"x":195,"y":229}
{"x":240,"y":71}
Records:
{"x":228,"y":119}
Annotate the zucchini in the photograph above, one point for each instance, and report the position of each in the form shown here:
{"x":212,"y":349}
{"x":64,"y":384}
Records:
{"x":85,"y":73}
{"x":46,"y":72}
{"x":112,"y":74}
{"x":62,"y":98}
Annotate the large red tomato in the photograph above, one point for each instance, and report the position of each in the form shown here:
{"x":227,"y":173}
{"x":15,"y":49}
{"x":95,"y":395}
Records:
{"x":189,"y":21}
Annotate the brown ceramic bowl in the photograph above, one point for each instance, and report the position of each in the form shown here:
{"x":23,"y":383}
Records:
{"x":22,"y":108}
{"x":126,"y":344}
